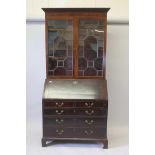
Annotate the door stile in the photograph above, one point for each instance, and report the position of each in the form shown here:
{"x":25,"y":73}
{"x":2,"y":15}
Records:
{"x":75,"y":45}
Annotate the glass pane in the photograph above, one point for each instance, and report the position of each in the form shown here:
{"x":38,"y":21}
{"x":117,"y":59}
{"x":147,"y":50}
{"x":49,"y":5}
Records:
{"x":91,"y":47}
{"x":60,"y":47}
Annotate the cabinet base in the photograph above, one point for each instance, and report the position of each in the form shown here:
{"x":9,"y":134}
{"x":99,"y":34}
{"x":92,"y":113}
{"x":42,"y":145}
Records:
{"x":105,"y":144}
{"x":48,"y":141}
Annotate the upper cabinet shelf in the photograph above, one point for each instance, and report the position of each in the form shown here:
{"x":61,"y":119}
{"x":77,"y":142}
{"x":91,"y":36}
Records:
{"x":76,"y":42}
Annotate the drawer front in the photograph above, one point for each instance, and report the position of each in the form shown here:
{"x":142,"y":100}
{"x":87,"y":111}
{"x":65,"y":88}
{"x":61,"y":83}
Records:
{"x":90,"y":133}
{"x":86,"y":104}
{"x":89,"y":104}
{"x":58,"y":111}
{"x":58,"y":104}
{"x":91,"y":122}
{"x":78,"y":111}
{"x":92,"y":112}
{"x":59,"y":121}
{"x":76,"y":122}
{"x":86,"y":133}
{"x":49,"y":131}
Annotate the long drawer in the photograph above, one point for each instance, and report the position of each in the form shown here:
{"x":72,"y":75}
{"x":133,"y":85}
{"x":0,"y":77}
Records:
{"x":76,"y":111}
{"x":62,"y":132}
{"x":76,"y":103}
{"x":76,"y":122}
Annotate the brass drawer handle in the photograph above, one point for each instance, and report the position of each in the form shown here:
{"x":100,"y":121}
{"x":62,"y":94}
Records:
{"x":88,"y":132}
{"x":60,"y":132}
{"x":89,"y":112}
{"x":59,"y":112}
{"x":59,"y":104}
{"x":89,"y":122}
{"x":89,"y":104}
{"x":59,"y":121}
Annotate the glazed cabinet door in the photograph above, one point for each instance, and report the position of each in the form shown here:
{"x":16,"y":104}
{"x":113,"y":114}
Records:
{"x":76,"y":47}
{"x":91,"y":47}
{"x":59,"y":47}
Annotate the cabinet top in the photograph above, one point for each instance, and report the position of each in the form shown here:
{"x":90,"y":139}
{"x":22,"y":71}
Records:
{"x":104,"y":10}
{"x":75,"y":89}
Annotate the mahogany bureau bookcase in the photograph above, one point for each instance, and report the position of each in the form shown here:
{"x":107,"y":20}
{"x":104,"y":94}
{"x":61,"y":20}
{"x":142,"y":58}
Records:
{"x":75,"y":100}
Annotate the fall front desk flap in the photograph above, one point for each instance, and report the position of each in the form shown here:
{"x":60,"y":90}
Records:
{"x":75,"y":89}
